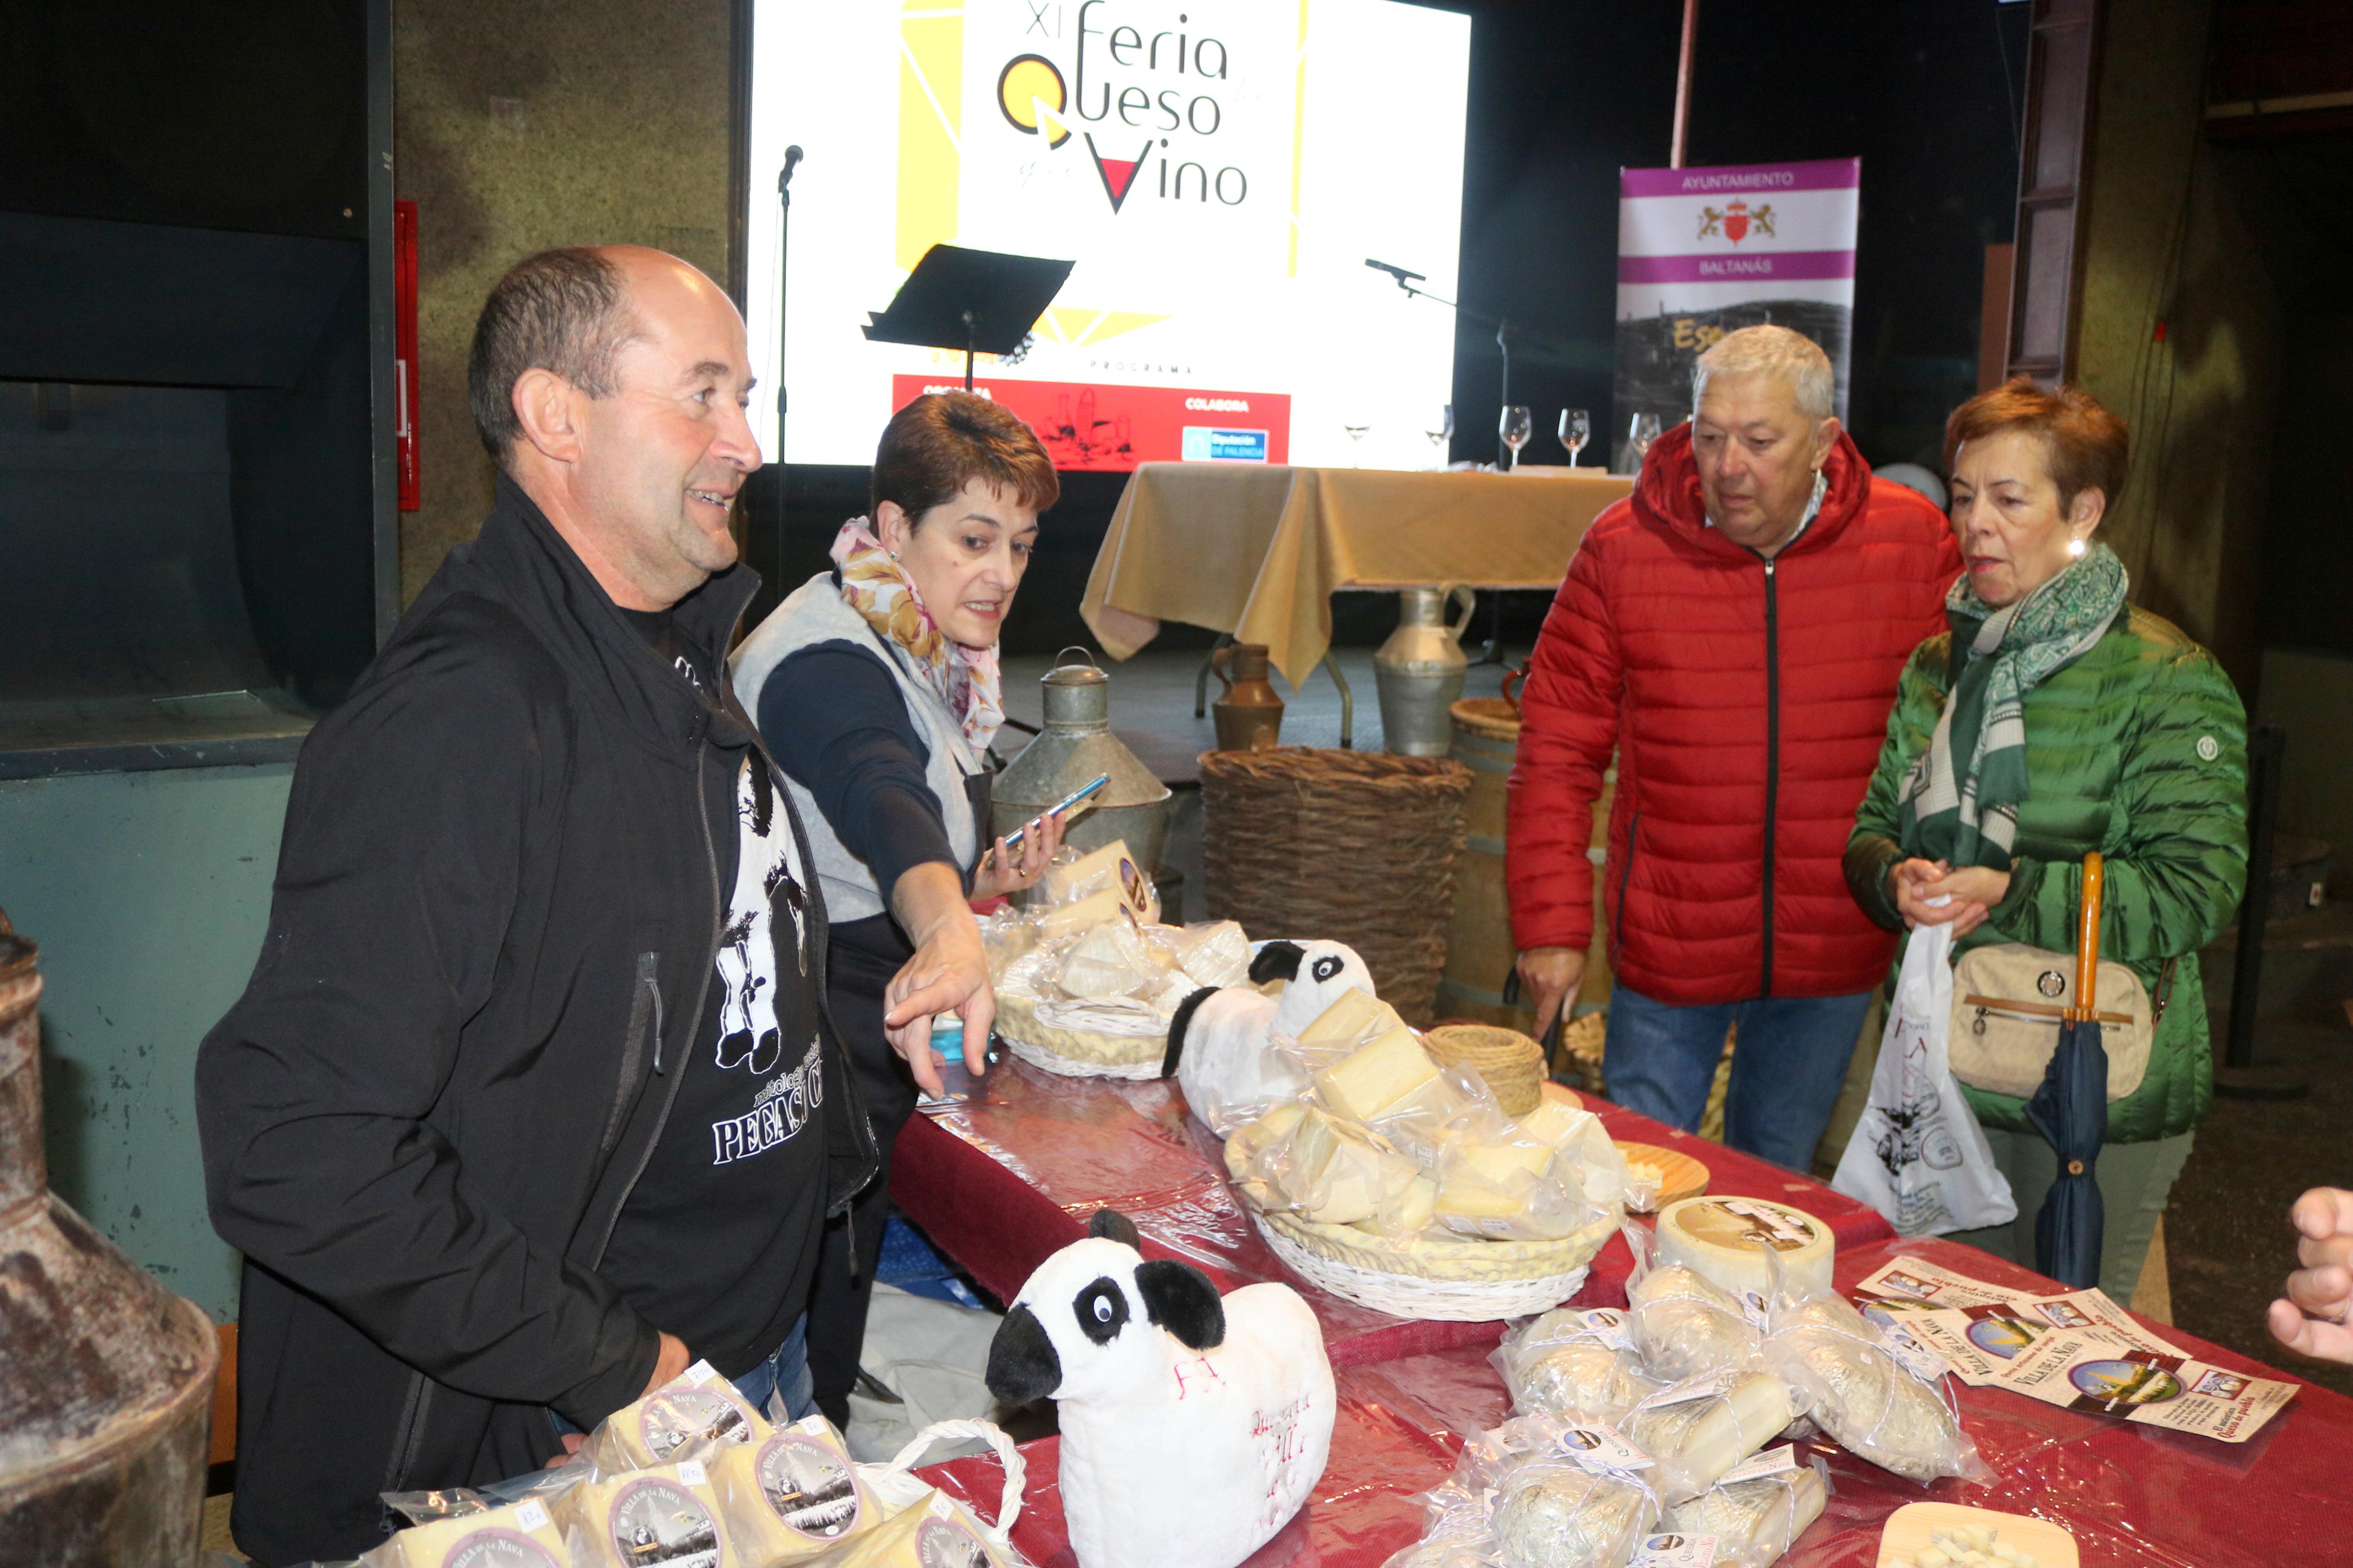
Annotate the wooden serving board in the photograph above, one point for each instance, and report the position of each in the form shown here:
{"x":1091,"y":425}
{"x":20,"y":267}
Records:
{"x":1908,"y":1531}
{"x":1679,"y":1175}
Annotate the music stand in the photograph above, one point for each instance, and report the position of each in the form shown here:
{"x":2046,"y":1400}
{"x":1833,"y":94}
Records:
{"x":980,"y":301}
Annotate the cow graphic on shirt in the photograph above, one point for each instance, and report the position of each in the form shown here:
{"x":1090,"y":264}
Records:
{"x":748,"y":1034}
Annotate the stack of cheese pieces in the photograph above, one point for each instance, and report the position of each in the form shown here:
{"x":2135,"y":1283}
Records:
{"x":794,"y":1495}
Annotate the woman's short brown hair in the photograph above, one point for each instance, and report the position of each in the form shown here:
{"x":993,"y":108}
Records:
{"x":2087,"y":447}
{"x":943,"y":440}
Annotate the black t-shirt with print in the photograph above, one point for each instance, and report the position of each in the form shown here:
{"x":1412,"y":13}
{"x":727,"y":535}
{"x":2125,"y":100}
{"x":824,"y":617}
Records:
{"x":719,"y":1238}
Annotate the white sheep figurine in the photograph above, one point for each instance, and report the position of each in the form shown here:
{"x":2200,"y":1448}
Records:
{"x":1218,"y":1039}
{"x":1193,"y":1425}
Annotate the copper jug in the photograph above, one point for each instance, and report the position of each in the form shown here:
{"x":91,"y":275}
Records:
{"x":1250,"y":712}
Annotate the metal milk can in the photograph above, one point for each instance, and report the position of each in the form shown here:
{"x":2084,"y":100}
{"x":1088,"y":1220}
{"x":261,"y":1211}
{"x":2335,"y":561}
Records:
{"x":1420,"y":671}
{"x":1249,"y":715}
{"x":106,"y":1378}
{"x":1074,"y":748}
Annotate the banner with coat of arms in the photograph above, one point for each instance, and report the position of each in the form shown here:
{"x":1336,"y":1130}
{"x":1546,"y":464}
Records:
{"x":1702,"y":252}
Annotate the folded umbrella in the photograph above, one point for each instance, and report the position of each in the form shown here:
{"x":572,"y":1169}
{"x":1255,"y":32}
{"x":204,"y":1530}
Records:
{"x":2070,"y":1110}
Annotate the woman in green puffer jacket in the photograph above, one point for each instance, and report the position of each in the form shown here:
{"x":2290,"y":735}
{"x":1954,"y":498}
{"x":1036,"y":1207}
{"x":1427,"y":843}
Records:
{"x":2068,"y":721}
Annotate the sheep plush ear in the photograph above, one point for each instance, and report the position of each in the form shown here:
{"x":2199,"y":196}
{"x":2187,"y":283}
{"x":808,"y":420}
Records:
{"x":1178,"y":1024}
{"x":1276,"y":960}
{"x":1181,"y":1299}
{"x":1109,"y":1224}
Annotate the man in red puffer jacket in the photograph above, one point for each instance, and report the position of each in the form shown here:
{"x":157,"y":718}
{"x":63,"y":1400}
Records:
{"x":1733,"y":630}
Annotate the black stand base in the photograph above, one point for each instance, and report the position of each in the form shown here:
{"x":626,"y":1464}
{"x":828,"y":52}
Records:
{"x":2259,"y":1083}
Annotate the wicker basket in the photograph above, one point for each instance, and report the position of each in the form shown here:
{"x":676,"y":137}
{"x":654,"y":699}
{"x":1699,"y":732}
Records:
{"x":1076,"y":1053}
{"x":1580,"y":1051}
{"x":1465,"y":1281}
{"x":1513,"y":1064}
{"x":1353,"y":846}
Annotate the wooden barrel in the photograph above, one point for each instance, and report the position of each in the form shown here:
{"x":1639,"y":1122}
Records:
{"x":1479,"y":951}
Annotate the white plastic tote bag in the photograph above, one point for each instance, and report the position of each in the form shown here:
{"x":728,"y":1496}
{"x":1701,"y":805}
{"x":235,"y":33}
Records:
{"x":1918,"y":1156}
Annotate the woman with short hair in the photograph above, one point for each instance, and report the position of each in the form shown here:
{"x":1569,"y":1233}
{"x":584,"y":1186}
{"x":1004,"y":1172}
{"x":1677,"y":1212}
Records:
{"x":876,"y":687}
{"x":2051,"y":720}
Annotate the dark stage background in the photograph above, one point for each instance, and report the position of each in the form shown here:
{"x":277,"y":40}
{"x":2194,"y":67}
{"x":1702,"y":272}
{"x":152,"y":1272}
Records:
{"x":1562,"y":94}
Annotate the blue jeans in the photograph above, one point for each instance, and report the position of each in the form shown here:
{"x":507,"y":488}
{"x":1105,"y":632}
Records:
{"x":786,"y":1368}
{"x":1787,"y":1070}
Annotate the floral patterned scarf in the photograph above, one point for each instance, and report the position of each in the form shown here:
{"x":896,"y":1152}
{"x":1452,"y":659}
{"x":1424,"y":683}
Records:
{"x":965,"y":678}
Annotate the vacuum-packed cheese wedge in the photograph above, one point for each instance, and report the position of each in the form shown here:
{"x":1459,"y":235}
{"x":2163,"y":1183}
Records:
{"x":1376,"y":1076}
{"x":520,"y":1535}
{"x":1355,"y":1016}
{"x":1698,"y":1431}
{"x":1337,"y":1176}
{"x":1754,"y":1521}
{"x":1108,"y":961}
{"x":691,"y":1418}
{"x":1467,"y":1197}
{"x":938,"y":1532}
{"x":1509,"y":1164}
{"x":1725,"y":1239}
{"x":1088,"y":874}
{"x":1093,"y":910}
{"x":1559,"y":1516}
{"x":792,"y":1497}
{"x":668,"y":1515}
{"x":1254,"y":1136}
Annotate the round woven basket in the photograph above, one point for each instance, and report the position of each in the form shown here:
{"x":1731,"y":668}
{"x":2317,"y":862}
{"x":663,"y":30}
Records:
{"x":1580,"y":1050}
{"x":1513,"y":1064}
{"x":1468,"y":1281}
{"x":1353,"y":846}
{"x":1076,"y":1053}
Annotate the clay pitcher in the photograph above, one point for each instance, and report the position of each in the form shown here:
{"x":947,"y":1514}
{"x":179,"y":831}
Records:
{"x":1250,"y":712}
{"x":1420,"y":671}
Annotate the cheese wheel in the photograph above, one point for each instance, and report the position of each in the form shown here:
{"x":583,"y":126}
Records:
{"x":520,"y":1535}
{"x":938,"y":1532}
{"x":1376,"y":1076}
{"x":692,"y":1418}
{"x":669,"y":1516}
{"x":1723,"y":1240}
{"x":794,"y":1495}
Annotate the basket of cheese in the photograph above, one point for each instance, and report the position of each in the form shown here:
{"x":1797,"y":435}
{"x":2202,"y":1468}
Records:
{"x":1087,"y":980}
{"x":1404,"y":1187}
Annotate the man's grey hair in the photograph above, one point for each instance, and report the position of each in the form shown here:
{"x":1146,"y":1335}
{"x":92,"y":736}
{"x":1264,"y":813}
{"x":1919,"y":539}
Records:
{"x":561,"y":310}
{"x":1790,"y":357}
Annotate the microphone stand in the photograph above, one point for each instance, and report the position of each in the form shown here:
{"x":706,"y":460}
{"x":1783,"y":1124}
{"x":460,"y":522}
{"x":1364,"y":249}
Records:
{"x":1492,"y":650}
{"x":783,"y":271}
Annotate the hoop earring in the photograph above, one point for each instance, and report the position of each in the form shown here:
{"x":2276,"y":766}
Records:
{"x":2075,"y":547}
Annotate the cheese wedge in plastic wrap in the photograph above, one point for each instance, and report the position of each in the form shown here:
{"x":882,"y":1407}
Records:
{"x":1112,"y":869}
{"x":520,"y":1535}
{"x":1356,"y":1017}
{"x":1754,"y":1518}
{"x":691,"y":1418}
{"x":1547,"y":1516}
{"x":1378,"y":1077}
{"x":1860,"y":1393}
{"x":938,"y":1532}
{"x":1087,"y":911}
{"x":1337,"y":1175}
{"x":1109,"y":960}
{"x":669,"y":1515}
{"x":1697,"y":1431}
{"x":793,"y":1497}
{"x":1578,"y":1134}
{"x":1685,"y":1325}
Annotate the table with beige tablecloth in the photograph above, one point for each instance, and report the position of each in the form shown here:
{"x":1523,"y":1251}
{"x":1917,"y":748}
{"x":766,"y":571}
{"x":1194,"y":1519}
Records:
{"x":1259,"y":552}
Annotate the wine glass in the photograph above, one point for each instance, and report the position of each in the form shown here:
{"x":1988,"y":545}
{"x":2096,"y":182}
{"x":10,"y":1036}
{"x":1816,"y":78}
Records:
{"x":1356,"y":443}
{"x":1644,"y":431}
{"x":1444,"y":434}
{"x":1516,"y":427}
{"x":1576,"y":430}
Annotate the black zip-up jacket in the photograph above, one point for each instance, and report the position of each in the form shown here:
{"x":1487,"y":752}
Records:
{"x":496,"y":910}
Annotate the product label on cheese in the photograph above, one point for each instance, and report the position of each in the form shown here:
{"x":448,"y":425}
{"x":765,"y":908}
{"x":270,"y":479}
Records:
{"x":1744,"y":1222}
{"x":1608,"y":1326}
{"x":499,"y":1549}
{"x":2091,"y":1369}
{"x":808,"y":1487}
{"x":654,"y":1521}
{"x":1674,"y":1550}
{"x":670,"y":1421}
{"x":946,"y":1543}
{"x":1605,"y":1453}
{"x":1771,"y":1462}
{"x":532,"y":1514}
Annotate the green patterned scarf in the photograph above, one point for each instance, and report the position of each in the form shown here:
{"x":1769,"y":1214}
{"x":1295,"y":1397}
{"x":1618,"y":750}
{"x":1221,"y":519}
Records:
{"x":1961,"y":798}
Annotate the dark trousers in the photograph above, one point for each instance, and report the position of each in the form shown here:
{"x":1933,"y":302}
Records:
{"x":865,"y":954}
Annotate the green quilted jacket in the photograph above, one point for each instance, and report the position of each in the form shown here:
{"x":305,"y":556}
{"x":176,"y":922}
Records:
{"x":2137,"y":750}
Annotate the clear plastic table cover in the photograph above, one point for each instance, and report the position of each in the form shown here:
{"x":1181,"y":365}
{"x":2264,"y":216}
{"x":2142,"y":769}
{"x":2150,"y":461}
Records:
{"x":1002,"y":1182}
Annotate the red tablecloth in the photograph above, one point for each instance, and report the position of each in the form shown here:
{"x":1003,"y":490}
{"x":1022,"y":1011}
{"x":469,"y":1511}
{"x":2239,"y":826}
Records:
{"x":1003,"y":1182}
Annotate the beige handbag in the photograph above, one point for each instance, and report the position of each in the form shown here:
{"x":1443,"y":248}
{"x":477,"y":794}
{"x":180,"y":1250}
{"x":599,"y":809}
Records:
{"x":2008,"y":1000}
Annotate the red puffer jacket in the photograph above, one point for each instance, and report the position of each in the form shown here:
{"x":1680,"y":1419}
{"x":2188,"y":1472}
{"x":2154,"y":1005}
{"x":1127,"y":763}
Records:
{"x":1747,"y":701}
